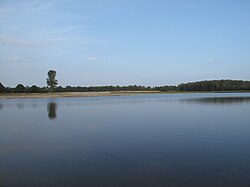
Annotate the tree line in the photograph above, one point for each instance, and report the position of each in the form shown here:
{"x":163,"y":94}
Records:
{"x":214,"y":85}
{"x":20,"y":88}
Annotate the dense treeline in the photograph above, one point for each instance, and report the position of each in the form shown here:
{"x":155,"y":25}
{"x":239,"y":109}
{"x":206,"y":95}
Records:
{"x":35,"y":89}
{"x":215,"y":85}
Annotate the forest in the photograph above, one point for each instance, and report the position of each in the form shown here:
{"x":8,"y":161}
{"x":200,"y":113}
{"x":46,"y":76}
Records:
{"x":203,"y":86}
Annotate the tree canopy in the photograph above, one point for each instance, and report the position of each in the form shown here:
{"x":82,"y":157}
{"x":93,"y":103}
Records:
{"x":51,"y":80}
{"x":214,"y":85}
{"x":19,"y":88}
{"x":2,"y":88}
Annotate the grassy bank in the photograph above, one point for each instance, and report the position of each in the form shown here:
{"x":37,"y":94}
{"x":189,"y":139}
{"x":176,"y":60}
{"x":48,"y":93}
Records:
{"x":71,"y":94}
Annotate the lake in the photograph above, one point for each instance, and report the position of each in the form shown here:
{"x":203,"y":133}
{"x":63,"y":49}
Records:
{"x":150,"y":140}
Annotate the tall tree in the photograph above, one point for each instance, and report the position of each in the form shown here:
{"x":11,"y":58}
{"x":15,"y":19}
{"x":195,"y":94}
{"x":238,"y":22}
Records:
{"x":2,"y":88}
{"x":51,"y":80}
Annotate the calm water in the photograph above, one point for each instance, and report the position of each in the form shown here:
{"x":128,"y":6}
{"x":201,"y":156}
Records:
{"x":175,"y":140}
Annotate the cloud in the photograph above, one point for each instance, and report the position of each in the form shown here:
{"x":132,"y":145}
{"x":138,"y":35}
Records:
{"x":31,"y":7}
{"x":7,"y":40}
{"x":211,"y":60}
{"x":91,"y":59}
{"x":4,"y":10}
{"x":13,"y":41}
{"x":14,"y":58}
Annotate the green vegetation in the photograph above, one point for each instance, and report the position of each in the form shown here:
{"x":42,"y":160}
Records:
{"x":216,"y":85}
{"x":2,"y":88}
{"x":19,"y":88}
{"x":205,"y":86}
{"x":51,"y":80}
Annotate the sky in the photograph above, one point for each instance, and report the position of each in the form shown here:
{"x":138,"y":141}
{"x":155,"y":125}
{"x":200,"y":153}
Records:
{"x":123,"y":42}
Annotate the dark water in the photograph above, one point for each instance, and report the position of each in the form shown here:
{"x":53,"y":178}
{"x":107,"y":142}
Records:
{"x":176,"y":140}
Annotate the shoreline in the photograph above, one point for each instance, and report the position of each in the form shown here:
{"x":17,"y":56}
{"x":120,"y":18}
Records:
{"x":72,"y":94}
{"x":95,"y":94}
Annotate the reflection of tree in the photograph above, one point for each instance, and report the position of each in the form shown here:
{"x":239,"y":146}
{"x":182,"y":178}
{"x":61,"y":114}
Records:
{"x":51,"y":108}
{"x":1,"y":106}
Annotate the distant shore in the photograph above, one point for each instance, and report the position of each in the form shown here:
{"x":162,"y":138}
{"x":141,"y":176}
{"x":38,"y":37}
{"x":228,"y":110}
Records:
{"x":94,"y":94}
{"x":72,"y":94}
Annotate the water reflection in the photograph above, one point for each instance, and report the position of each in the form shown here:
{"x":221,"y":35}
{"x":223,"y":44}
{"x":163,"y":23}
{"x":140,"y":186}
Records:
{"x":20,"y":105}
{"x":51,"y":108}
{"x":148,"y":140}
{"x":217,"y":100}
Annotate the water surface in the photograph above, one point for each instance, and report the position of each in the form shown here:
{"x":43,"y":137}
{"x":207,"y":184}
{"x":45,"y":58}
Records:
{"x":127,"y":141}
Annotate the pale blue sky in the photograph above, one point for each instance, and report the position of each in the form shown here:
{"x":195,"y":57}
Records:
{"x":122,"y":42}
